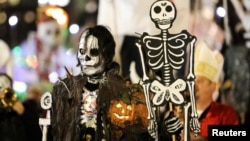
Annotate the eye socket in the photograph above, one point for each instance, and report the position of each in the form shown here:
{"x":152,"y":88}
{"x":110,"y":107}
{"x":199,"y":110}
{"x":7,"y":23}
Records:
{"x":169,"y":8}
{"x":57,"y":32}
{"x":48,"y":32}
{"x":94,"y":52}
{"x":82,"y":51}
{"x":157,"y":9}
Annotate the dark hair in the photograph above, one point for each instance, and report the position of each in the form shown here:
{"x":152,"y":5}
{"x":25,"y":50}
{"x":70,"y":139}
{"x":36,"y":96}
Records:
{"x":106,"y":41}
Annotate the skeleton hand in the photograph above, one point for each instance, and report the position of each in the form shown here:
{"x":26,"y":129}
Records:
{"x":152,"y":128}
{"x":172,"y":123}
{"x":195,"y":125}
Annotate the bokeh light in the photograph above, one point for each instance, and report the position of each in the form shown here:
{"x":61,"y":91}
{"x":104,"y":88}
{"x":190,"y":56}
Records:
{"x":220,"y":11}
{"x":13,"y":20}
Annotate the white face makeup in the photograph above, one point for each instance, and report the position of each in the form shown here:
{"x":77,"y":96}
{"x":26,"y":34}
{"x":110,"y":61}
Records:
{"x":49,"y":33}
{"x":89,"y":55}
{"x":4,"y":82}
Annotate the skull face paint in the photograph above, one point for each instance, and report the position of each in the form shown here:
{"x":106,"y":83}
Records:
{"x":89,"y":104}
{"x":163,"y":13}
{"x":89,"y":55}
{"x":49,"y":33}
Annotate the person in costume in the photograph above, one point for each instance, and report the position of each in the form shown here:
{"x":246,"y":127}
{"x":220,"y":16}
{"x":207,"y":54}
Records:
{"x":43,"y":54}
{"x":208,"y":70}
{"x":80,"y":103}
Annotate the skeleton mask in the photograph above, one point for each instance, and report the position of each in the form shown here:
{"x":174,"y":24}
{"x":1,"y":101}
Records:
{"x":89,"y":55}
{"x":163,"y":14}
{"x":246,"y":3}
{"x":49,"y":33}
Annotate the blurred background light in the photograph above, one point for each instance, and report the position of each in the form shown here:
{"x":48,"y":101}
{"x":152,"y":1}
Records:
{"x":91,"y":7}
{"x":29,"y":16}
{"x":220,"y":11}
{"x":61,"y":3}
{"x":43,"y":2}
{"x":13,"y":20}
{"x":13,"y":2}
{"x":53,"y":77}
{"x":74,"y":28}
{"x":19,"y":87}
{"x":59,"y":14}
{"x":3,"y":17}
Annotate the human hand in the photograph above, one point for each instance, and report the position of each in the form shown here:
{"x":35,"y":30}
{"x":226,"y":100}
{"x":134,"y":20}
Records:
{"x":18,"y":107}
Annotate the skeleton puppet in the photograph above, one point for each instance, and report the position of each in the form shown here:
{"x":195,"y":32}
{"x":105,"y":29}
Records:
{"x":165,"y":53}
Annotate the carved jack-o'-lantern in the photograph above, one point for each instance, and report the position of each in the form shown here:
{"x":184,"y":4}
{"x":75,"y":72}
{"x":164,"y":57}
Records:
{"x":121,"y":113}
{"x":130,"y":113}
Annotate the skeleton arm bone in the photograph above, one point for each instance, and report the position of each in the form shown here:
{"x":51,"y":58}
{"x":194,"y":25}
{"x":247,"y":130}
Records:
{"x":194,"y":116}
{"x":152,"y":127}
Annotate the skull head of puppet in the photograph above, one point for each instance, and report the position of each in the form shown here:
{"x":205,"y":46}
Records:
{"x":163,"y":13}
{"x":96,"y":50}
{"x":48,"y":31}
{"x":5,"y":81}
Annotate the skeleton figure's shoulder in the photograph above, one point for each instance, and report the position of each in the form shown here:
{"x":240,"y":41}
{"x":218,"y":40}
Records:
{"x":190,"y":37}
{"x":184,"y":36}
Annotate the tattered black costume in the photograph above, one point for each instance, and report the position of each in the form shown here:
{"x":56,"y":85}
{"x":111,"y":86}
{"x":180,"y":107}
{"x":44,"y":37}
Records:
{"x":67,"y":95}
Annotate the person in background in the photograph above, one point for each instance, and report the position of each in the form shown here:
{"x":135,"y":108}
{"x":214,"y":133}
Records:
{"x":33,"y":112}
{"x":6,"y":59}
{"x":208,"y":69}
{"x":43,"y":55}
{"x":34,"y":94}
{"x":12,"y":127}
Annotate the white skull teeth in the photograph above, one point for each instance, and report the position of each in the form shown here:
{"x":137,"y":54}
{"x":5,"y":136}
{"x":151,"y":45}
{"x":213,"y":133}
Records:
{"x":164,"y":21}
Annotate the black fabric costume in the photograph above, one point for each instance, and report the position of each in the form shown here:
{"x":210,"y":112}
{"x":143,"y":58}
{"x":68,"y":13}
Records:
{"x":11,"y":126}
{"x":67,"y":101}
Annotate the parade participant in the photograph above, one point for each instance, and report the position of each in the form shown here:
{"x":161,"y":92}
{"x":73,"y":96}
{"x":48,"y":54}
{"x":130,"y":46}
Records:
{"x":43,"y":53}
{"x":80,"y":103}
{"x":11,"y":109}
{"x":208,"y":70}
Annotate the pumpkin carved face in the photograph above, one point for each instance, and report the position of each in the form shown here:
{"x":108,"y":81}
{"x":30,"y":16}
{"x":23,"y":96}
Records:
{"x":129,"y":115}
{"x":121,"y":113}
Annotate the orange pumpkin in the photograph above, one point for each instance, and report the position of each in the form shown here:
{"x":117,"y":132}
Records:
{"x":132,"y":113}
{"x":121,"y":113}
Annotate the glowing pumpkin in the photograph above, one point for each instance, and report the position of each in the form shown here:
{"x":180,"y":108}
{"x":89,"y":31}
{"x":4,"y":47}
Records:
{"x":135,"y":113}
{"x":121,"y":113}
